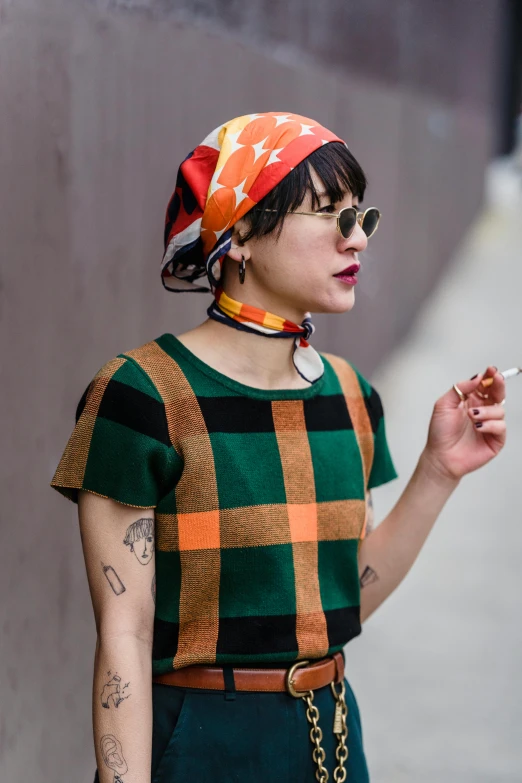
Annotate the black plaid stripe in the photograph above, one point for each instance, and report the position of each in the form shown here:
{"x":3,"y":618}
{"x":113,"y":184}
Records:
{"x":244,"y":636}
{"x":165,"y":641}
{"x":374,"y":407}
{"x":243,"y":414}
{"x":342,"y":624}
{"x":241,"y":635}
{"x":236,"y":414}
{"x":125,"y":405}
{"x":327,"y":414}
{"x":237,"y":636}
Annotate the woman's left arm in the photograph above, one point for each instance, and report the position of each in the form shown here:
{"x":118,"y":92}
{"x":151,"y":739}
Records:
{"x":455,"y":446}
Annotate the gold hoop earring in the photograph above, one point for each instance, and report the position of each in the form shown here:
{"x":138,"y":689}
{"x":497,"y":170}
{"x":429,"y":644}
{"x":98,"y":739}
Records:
{"x":242,"y":269}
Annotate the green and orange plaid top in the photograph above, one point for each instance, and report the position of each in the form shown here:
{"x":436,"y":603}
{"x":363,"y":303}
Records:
{"x":259,"y":499}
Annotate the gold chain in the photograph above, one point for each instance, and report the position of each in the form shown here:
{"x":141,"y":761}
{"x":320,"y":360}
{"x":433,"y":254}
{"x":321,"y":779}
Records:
{"x":341,"y":751}
{"x":316,"y":735}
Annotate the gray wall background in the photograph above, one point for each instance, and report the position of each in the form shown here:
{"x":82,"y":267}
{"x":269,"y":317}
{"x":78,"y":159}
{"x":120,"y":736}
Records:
{"x":99,"y":104}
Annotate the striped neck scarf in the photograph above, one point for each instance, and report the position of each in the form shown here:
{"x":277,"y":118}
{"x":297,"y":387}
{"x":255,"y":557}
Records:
{"x":246,"y":318}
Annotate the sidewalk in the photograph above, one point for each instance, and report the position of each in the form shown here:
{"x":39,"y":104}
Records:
{"x":438,"y":668}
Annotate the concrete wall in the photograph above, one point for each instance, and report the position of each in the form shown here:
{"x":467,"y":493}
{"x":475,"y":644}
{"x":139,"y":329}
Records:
{"x":99,"y":103}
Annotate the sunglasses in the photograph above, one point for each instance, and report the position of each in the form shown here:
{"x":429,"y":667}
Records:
{"x":347,"y":218}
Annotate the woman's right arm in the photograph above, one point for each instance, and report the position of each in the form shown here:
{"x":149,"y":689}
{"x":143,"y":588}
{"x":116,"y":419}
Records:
{"x":118,"y":546}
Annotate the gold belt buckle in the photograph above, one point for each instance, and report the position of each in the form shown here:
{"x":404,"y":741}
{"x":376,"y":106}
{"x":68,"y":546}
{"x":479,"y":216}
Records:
{"x":290,"y":682}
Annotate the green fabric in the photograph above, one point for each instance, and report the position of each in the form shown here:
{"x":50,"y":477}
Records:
{"x":259,"y":503}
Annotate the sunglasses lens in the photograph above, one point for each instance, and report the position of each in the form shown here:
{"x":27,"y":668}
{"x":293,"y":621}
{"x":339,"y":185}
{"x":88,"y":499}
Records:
{"x":347,"y":221}
{"x":371,"y":219}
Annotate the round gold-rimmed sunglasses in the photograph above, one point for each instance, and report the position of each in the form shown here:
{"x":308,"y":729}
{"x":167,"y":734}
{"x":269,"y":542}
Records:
{"x":347,"y":218}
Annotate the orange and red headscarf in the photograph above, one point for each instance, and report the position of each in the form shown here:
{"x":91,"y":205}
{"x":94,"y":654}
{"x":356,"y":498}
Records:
{"x":236,"y":166}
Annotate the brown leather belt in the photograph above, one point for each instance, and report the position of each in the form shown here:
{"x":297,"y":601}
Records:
{"x":301,"y":677}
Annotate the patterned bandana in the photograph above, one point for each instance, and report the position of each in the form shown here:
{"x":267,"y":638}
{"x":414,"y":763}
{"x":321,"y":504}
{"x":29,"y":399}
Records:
{"x":217,"y":184}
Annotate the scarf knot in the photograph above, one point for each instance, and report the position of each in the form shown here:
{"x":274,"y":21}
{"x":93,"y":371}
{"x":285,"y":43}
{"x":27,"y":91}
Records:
{"x":307,"y":326}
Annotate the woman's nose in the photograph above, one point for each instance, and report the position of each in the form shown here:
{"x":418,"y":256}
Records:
{"x":357,"y":239}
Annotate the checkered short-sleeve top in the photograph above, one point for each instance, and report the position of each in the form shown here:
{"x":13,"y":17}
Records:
{"x":259,"y":499}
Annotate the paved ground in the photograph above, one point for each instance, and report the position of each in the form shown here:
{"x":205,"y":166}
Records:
{"x":438,"y":669}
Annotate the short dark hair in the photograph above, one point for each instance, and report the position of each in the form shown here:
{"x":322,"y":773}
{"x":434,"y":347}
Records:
{"x":339,"y":172}
{"x":139,"y":529}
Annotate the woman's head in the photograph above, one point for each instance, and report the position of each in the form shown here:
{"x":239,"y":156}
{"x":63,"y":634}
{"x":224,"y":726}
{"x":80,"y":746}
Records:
{"x":292,"y":258}
{"x":238,"y":194}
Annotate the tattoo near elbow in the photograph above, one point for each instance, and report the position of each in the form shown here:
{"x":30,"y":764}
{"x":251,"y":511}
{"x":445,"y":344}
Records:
{"x":367,"y":577}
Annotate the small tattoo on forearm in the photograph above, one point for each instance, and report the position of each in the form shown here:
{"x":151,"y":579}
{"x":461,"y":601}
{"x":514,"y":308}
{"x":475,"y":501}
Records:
{"x":140,"y":538}
{"x":368,"y":576}
{"x":153,"y":588}
{"x":112,"y":755}
{"x":114,"y":692}
{"x":113,"y":579}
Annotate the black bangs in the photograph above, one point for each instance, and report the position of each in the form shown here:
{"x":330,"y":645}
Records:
{"x":335,"y":166}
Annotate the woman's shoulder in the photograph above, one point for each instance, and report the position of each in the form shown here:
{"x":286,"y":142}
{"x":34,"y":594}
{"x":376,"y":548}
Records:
{"x":125,"y":376}
{"x":120,"y":446}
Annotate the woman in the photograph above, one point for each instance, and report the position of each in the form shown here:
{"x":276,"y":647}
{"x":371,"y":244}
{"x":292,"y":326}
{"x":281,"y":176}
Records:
{"x":238,"y":471}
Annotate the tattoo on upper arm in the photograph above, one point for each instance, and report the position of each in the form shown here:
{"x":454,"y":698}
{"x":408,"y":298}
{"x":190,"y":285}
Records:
{"x":114,"y":692}
{"x":370,"y":519}
{"x":368,"y":576}
{"x":112,"y":755}
{"x":153,"y":588}
{"x":140,"y":538}
{"x":113,"y":579}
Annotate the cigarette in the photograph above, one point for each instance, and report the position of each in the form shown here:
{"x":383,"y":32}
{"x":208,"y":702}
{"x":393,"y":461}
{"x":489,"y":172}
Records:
{"x":512,"y":372}
{"x":506,"y":374}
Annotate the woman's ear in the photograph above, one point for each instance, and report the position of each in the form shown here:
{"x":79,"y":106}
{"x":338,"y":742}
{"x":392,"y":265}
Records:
{"x":238,"y":251}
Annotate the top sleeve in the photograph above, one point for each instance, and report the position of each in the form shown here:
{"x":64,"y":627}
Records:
{"x":120,"y":447}
{"x":383,"y":469}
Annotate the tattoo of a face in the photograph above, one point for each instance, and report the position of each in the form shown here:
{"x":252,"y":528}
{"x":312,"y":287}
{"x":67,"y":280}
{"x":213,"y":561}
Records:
{"x":114,"y":692}
{"x":113,"y":579}
{"x":153,"y":588}
{"x":140,"y":538}
{"x":368,"y":576}
{"x":112,"y":755}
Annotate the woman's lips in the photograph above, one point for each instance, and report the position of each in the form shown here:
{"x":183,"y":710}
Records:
{"x":349,"y":275}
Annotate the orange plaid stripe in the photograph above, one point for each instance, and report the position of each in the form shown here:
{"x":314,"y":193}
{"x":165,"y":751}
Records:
{"x":340,"y":519}
{"x":360,"y":419}
{"x":198,"y":607}
{"x":199,"y":543}
{"x":199,"y":530}
{"x":270,"y":524}
{"x":296,"y":461}
{"x":71,"y":469}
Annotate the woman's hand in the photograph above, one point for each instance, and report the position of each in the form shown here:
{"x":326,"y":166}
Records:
{"x":464,"y":436}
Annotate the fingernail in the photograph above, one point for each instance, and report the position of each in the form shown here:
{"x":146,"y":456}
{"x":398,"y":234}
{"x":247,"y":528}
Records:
{"x":475,"y":411}
{"x":478,"y":424}
{"x":473,"y":378}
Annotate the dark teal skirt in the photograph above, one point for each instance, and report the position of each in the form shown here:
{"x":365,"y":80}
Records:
{"x":242,"y":737}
